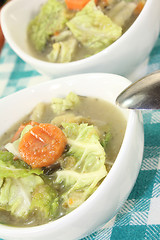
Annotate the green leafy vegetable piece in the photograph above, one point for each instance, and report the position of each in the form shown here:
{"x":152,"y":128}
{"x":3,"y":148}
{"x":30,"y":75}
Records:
{"x":82,"y":179}
{"x":60,"y":105}
{"x":45,"y":201}
{"x":51,"y":18}
{"x":105,"y":139}
{"x":23,"y":191}
{"x":81,"y":186}
{"x":14,"y":168}
{"x":122,"y":12}
{"x":16,"y":194}
{"x":62,"y":36}
{"x":13,"y":147}
{"x":93,"y":29}
{"x":1,"y":182}
{"x":63,"y":51}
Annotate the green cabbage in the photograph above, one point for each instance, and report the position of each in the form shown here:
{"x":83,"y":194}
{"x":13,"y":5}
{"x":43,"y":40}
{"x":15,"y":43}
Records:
{"x":51,"y":18}
{"x":63,"y":51}
{"x":82,"y":179}
{"x":105,"y":139}
{"x":14,"y":168}
{"x":13,"y":147}
{"x":60,"y":105}
{"x":16,"y":194}
{"x":93,"y":29}
{"x":45,"y":201}
{"x":23,"y":191}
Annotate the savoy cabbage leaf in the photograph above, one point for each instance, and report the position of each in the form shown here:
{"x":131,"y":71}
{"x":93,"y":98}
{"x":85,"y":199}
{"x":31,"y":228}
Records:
{"x":14,"y":168}
{"x":60,"y":105}
{"x":82,"y":179}
{"x":93,"y":29}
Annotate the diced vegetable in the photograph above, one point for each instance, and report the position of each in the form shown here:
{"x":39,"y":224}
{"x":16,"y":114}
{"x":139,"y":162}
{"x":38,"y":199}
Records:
{"x":42,"y":145}
{"x":23,"y":191}
{"x":60,"y":105}
{"x":77,"y":4}
{"x":23,"y":195}
{"x":121,"y":12}
{"x":62,"y":36}
{"x":61,"y":53}
{"x":139,"y":7}
{"x":51,"y":18}
{"x":93,"y":29}
{"x":14,"y":168}
{"x":44,"y":201}
{"x":38,"y":112}
{"x":105,"y":139}
{"x":83,"y":177}
{"x":69,"y":118}
{"x":22,"y":126}
{"x":13,"y":146}
{"x":16,"y":194}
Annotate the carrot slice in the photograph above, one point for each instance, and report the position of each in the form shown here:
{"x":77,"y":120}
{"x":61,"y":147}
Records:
{"x":20,"y":129}
{"x":56,"y":33}
{"x":139,"y":8}
{"x":106,"y":2}
{"x":42,"y":145}
{"x":77,"y":4}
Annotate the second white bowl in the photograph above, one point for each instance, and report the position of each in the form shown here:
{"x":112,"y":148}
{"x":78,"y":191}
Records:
{"x":122,"y":57}
{"x":106,"y":201}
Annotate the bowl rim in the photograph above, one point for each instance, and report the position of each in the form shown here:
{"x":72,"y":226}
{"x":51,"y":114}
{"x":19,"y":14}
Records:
{"x":47,"y":226}
{"x":31,"y":59}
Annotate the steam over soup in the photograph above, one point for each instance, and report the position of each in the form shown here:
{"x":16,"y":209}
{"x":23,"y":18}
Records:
{"x":55,"y":158}
{"x":69,"y":30}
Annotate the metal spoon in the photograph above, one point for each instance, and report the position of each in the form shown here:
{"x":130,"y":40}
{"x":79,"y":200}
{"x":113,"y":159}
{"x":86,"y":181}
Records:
{"x":143,"y":94}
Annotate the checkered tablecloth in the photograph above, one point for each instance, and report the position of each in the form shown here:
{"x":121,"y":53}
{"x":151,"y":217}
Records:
{"x":139,"y":218}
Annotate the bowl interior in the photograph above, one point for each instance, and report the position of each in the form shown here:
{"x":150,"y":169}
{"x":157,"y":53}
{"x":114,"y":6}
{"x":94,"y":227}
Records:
{"x":104,"y":86}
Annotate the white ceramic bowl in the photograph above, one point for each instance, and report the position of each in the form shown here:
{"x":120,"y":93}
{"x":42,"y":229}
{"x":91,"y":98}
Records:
{"x":122,"y":57}
{"x":104,"y":203}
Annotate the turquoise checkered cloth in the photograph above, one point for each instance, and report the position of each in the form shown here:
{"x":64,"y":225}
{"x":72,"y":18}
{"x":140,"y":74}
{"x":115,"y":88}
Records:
{"x":139,"y":218}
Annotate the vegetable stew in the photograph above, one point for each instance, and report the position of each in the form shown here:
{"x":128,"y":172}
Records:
{"x":69,"y":30}
{"x":55,"y":158}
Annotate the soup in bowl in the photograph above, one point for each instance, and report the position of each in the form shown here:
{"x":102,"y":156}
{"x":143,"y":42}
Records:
{"x":69,"y":157}
{"x":66,"y":31}
{"x":102,"y":36}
